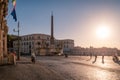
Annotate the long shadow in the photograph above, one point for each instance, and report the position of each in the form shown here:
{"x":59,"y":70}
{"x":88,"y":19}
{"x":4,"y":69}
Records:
{"x":17,"y":63}
{"x":89,"y":58}
{"x":24,"y":62}
{"x":96,"y":59}
{"x":95,"y":66}
{"x":7,"y":65}
{"x":117,"y":62}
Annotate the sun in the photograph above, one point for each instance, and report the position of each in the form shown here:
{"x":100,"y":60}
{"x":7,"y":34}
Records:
{"x":103,"y":31}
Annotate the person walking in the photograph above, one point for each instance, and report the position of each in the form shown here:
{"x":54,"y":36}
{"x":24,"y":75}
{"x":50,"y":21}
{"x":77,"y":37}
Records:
{"x":115,"y":58}
{"x":95,"y":58}
{"x":33,"y":57}
{"x":103,"y":58}
{"x":14,"y":56}
{"x":66,"y":55}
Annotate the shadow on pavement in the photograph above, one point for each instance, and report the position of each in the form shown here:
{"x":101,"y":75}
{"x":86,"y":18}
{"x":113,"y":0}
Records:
{"x":118,"y":62}
{"x":24,"y":62}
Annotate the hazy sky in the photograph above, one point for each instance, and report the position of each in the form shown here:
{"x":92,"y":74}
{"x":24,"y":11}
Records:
{"x":73,"y":19}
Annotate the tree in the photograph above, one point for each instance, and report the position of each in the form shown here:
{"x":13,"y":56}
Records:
{"x":10,"y":39}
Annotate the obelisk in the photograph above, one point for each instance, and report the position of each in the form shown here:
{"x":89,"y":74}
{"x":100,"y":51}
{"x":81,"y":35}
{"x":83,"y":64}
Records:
{"x":52,"y":31}
{"x":52,"y":46}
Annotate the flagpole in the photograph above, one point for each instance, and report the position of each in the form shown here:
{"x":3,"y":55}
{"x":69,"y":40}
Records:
{"x":18,"y":55}
{"x":18,"y":43}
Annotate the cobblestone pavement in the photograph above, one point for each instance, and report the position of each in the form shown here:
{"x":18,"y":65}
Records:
{"x":25,"y":70}
{"x":81,"y":68}
{"x":61,"y":68}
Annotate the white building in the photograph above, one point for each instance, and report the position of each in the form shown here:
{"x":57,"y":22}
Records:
{"x":94,"y":51}
{"x":68,"y":45}
{"x":37,"y":41}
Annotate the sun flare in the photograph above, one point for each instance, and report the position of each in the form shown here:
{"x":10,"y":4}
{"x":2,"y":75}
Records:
{"x":102,"y":32}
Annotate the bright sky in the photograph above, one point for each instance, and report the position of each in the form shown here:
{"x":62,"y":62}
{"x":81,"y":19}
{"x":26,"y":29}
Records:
{"x":79,"y":20}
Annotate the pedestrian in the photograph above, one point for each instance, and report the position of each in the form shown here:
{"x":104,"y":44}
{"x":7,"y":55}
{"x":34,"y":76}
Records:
{"x":66,"y":55}
{"x":115,"y":58}
{"x":33,"y":57}
{"x":95,"y":58}
{"x":103,"y":58}
{"x":14,"y":56}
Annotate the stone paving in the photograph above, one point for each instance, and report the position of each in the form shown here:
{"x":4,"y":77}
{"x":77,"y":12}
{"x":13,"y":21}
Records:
{"x":25,"y":70}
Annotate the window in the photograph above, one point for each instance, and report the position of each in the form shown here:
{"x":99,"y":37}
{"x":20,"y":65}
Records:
{"x":32,"y":37}
{"x":38,"y":43}
{"x":38,"y":37}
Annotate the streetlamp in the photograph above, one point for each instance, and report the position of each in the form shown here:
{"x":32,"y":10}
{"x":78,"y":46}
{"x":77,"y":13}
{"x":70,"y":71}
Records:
{"x":18,"y":56}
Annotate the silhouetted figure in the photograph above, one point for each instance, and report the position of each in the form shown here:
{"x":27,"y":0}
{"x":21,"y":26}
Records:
{"x":66,"y":55}
{"x":115,"y":59}
{"x":33,"y":57}
{"x":103,"y":59}
{"x":95,"y":59}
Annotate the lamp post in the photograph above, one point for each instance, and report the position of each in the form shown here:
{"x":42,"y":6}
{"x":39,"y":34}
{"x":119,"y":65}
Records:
{"x":18,"y":55}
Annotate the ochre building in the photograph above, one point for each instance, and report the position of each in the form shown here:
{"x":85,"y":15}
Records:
{"x":3,"y":29}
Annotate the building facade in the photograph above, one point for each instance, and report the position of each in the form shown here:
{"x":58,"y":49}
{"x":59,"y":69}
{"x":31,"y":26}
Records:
{"x":68,"y":45}
{"x":94,"y":51}
{"x":40,"y":42}
{"x":3,"y":29}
